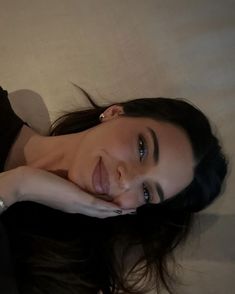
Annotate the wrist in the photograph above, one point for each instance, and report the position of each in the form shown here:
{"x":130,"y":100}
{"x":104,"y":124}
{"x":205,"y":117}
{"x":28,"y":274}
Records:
{"x":3,"y":206}
{"x":22,"y":176}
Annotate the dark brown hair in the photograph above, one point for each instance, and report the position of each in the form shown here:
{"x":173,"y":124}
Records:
{"x":131,"y":253}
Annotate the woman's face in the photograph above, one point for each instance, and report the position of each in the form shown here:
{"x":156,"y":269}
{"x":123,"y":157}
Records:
{"x":132,"y":161}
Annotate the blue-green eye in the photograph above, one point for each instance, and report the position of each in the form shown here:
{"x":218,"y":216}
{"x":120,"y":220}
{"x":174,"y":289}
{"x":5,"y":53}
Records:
{"x":142,"y":147}
{"x":147,"y":196}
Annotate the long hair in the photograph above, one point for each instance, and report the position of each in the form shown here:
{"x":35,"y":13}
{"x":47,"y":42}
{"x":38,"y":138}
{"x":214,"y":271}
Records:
{"x":132,"y":253}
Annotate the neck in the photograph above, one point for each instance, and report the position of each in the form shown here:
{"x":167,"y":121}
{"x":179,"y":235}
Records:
{"x":49,"y":153}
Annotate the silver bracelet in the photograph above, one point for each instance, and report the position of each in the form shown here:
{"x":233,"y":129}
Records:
{"x":3,"y":206}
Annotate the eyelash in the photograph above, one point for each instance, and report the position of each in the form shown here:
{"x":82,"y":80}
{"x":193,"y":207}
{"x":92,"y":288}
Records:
{"x":147,"y":196}
{"x":142,"y":148}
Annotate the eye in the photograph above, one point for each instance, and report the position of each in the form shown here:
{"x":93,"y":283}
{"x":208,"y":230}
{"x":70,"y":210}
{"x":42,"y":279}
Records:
{"x":142,"y":147}
{"x":147,"y":196}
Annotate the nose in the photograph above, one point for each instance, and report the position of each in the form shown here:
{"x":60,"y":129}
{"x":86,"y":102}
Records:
{"x":128,"y":176}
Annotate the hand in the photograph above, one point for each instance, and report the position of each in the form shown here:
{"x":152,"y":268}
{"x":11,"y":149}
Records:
{"x":31,"y":184}
{"x":9,"y":186}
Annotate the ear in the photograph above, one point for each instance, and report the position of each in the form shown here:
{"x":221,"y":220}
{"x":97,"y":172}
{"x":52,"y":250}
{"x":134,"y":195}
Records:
{"x":112,"y":112}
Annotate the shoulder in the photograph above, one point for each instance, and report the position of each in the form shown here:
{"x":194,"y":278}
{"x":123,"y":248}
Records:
{"x":4,"y":101}
{"x":10,"y":124}
{"x":3,"y":93}
{"x":6,"y":110}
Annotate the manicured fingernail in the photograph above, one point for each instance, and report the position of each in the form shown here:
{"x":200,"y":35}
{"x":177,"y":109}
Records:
{"x":118,"y":211}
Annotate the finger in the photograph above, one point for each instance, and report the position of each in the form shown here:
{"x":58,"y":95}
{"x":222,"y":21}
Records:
{"x":117,"y":209}
{"x":118,"y":212}
{"x":129,"y":211}
{"x":107,"y":214}
{"x":104,"y":213}
{"x":110,"y":207}
{"x":105,"y":205}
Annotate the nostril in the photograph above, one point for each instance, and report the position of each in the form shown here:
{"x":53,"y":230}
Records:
{"x":119,"y":172}
{"x":122,"y":177}
{"x":119,"y":175}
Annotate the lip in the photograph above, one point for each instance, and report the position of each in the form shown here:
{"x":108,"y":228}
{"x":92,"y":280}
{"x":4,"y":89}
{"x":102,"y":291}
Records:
{"x":100,"y":178}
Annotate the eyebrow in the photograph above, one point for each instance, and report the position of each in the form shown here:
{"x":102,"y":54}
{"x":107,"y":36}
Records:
{"x":156,"y":158}
{"x":155,"y":145}
{"x":160,"y":192}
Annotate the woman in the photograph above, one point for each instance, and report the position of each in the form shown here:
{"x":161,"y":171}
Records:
{"x":154,"y":160}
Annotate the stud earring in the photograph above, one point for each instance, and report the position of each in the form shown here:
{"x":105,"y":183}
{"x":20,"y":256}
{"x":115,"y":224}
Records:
{"x":101,"y":117}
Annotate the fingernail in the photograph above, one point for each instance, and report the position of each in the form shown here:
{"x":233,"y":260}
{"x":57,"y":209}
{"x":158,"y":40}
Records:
{"x":118,"y":211}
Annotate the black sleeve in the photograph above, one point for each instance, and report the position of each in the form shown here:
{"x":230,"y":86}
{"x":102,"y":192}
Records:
{"x":7,"y":277}
{"x":10,"y":125}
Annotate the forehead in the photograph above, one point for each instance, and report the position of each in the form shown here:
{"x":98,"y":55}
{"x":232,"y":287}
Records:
{"x":164,"y":129}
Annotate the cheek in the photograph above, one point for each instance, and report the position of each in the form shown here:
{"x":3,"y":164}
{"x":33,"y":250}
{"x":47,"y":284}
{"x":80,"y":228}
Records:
{"x":119,"y":142}
{"x":122,"y":149}
{"x":128,"y":200}
{"x":80,"y":170}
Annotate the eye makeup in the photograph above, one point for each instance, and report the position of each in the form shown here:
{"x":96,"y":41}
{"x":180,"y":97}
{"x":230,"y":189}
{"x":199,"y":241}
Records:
{"x":142,"y":147}
{"x":147,"y":195}
{"x":143,"y":151}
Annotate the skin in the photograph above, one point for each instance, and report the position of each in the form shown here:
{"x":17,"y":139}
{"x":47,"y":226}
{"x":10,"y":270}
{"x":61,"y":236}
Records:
{"x":116,"y":141}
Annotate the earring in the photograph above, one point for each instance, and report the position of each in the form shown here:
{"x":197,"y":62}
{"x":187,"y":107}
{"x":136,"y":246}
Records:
{"x":101,"y":117}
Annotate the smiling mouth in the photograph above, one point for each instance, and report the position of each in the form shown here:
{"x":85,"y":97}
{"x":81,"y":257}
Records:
{"x":100,"y":178}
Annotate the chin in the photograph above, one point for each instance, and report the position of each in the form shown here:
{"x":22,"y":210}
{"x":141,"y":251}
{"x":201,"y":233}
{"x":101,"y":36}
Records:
{"x":74,"y":179}
{"x":60,"y":172}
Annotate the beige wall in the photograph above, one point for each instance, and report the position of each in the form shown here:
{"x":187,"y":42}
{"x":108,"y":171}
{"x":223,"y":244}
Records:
{"x":132,"y":48}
